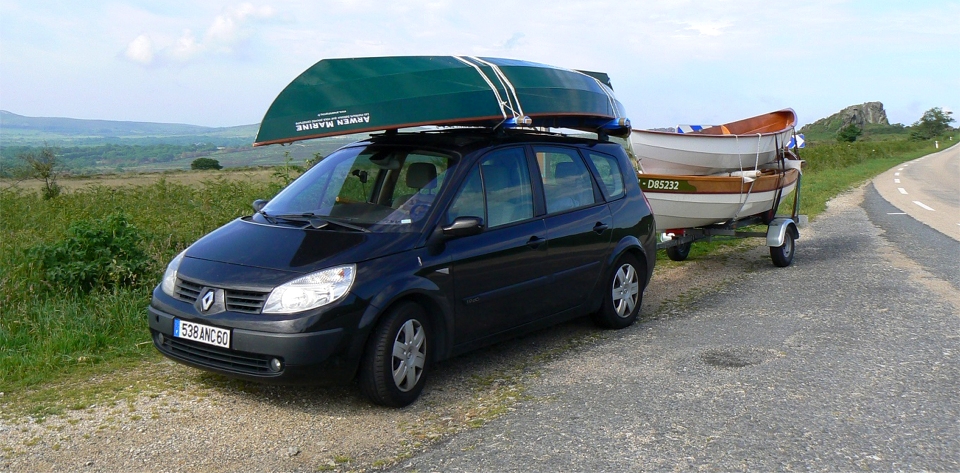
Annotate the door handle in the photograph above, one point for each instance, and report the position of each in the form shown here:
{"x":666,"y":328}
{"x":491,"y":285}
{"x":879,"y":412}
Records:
{"x":535,"y":242}
{"x":600,"y":227}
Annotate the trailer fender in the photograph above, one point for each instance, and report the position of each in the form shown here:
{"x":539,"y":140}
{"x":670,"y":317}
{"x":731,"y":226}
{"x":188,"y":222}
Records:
{"x":778,"y":229}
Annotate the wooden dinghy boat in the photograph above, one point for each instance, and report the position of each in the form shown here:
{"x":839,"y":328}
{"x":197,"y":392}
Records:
{"x":680,"y":202}
{"x":344,"y":96}
{"x":744,"y":144}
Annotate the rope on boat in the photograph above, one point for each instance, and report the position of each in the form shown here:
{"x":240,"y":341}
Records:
{"x":507,"y":86}
{"x":486,"y":79}
{"x":753,"y":182}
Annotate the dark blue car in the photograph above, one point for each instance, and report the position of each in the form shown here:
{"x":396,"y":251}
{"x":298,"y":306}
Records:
{"x":408,"y":248}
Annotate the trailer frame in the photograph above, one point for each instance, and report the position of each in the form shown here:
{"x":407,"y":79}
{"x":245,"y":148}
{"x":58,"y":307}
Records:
{"x":782,"y":232}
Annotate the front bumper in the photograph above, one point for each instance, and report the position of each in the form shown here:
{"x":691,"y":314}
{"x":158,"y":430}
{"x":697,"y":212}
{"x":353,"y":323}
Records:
{"x":305,"y":358}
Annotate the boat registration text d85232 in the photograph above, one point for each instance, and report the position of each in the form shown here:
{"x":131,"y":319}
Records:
{"x":660,"y":184}
{"x":201,"y":333}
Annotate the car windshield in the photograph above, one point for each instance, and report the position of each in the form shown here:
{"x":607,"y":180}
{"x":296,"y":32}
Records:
{"x":374,"y":187}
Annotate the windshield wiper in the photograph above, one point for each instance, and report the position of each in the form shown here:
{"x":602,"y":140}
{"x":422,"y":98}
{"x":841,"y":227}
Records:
{"x":317,"y":221}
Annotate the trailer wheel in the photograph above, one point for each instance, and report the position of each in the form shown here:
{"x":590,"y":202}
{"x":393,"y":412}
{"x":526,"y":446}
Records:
{"x":782,"y":255}
{"x":679,"y":252}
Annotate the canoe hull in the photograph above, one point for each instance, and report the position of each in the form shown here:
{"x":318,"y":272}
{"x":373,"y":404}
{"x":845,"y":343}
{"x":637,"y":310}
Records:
{"x":357,"y":95}
{"x":696,"y":201}
{"x":749,"y":143}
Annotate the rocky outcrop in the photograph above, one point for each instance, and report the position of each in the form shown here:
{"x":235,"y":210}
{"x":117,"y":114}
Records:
{"x":870,"y":113}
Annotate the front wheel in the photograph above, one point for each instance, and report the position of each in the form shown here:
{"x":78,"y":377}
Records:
{"x":623,"y":294}
{"x":395,"y":362}
{"x":782,"y":255}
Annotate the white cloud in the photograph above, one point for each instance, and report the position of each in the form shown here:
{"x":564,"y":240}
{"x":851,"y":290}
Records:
{"x":222,"y":37}
{"x":185,"y":48}
{"x":140,"y":50}
{"x":228,"y":29}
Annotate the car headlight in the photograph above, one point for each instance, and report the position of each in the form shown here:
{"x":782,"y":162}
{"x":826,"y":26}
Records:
{"x":169,"y":284}
{"x":311,"y":291}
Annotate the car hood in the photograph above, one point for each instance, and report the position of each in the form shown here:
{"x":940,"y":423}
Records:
{"x":245,"y":243}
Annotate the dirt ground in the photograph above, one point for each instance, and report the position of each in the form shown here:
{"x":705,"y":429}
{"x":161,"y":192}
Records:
{"x":161,"y":416}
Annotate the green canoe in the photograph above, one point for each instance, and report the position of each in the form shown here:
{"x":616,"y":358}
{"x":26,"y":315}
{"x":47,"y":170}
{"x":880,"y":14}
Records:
{"x":344,"y":96}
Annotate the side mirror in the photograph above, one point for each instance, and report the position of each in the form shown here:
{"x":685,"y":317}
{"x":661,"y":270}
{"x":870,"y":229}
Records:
{"x":258,"y":205}
{"x":463,"y":226}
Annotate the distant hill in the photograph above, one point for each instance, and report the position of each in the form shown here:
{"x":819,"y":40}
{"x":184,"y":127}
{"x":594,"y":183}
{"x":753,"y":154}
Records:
{"x":869,"y":117}
{"x":96,"y":146}
{"x":19,"y":130}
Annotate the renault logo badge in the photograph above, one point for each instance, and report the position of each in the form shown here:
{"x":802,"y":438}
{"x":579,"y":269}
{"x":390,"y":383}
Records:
{"x":207,"y":300}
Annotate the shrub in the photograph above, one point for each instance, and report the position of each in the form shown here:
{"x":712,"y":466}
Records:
{"x":205,"y":163}
{"x":97,"y":253}
{"x":849,"y":133}
{"x":933,"y":123}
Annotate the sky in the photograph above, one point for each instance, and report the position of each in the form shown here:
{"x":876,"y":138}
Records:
{"x":222,"y":62}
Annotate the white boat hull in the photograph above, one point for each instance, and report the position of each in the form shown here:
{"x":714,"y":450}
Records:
{"x":676,"y":206}
{"x":750,"y":143}
{"x":701,"y":155}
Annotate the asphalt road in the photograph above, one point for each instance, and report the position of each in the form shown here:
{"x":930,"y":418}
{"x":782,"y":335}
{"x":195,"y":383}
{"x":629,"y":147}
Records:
{"x":847,"y":360}
{"x":927,"y":189}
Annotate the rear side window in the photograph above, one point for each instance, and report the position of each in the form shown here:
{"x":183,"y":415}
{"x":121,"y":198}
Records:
{"x":566,"y":180}
{"x":608,"y":170}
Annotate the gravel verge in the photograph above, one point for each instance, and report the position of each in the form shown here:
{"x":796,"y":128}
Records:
{"x":161,"y":416}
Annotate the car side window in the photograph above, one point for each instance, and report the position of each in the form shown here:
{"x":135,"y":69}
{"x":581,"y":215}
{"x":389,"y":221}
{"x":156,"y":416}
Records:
{"x":608,"y":170}
{"x":566,"y":179}
{"x":506,"y":186}
{"x":498,"y":190}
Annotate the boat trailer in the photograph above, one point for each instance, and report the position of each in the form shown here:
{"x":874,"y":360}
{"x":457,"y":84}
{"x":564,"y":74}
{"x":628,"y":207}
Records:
{"x":782,"y":233}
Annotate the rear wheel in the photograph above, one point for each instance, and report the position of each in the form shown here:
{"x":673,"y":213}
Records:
{"x":395,"y":362}
{"x":623,"y":294}
{"x":679,"y":252}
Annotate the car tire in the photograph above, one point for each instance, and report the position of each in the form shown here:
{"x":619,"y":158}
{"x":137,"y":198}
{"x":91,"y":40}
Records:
{"x":782,"y":255}
{"x":679,"y":252}
{"x":623,"y":294}
{"x":395,"y":363}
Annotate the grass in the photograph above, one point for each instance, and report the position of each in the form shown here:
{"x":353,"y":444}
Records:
{"x":51,"y":333}
{"x":46,"y":330}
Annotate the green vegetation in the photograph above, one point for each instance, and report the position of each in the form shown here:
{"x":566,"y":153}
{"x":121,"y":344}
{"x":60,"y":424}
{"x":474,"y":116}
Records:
{"x":205,"y":163}
{"x":99,"y":146}
{"x":104,"y":253}
{"x":43,"y":164}
{"x":833,"y":168}
{"x":56,"y":316}
{"x":77,"y":270}
{"x":849,"y":133}
{"x":933,"y":123}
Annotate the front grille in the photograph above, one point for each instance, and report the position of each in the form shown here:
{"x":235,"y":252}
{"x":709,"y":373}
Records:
{"x":247,"y":302}
{"x":188,"y":291}
{"x":216,"y":357}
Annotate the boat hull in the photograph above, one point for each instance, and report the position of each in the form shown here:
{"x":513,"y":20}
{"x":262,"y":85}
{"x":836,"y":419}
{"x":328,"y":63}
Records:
{"x":695,"y":201}
{"x":747,"y":144}
{"x":359,"y":95}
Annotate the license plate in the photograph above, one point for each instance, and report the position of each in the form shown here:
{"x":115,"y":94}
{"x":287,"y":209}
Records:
{"x":201,"y":333}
